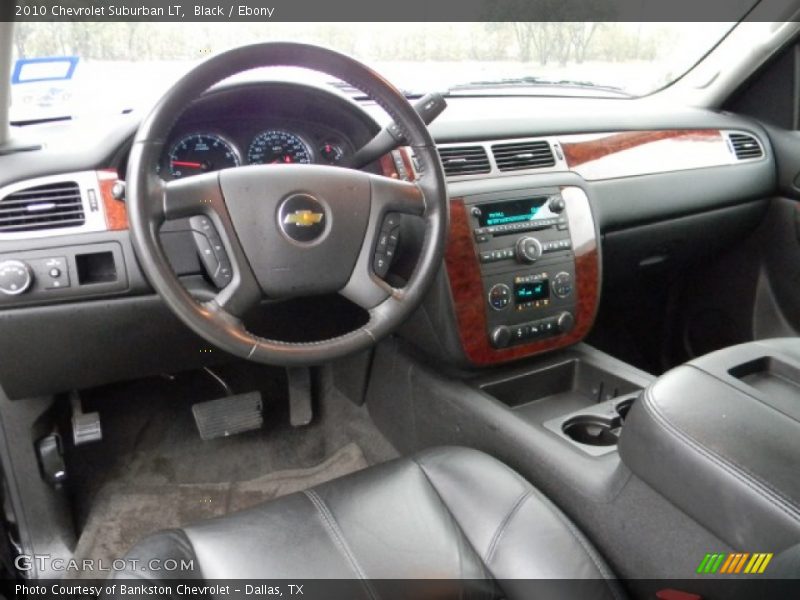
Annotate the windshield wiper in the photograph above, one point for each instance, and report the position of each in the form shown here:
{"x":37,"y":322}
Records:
{"x":529,"y":81}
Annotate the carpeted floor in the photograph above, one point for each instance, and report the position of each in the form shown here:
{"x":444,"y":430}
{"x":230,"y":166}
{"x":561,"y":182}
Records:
{"x":124,"y":513}
{"x":153,"y":471}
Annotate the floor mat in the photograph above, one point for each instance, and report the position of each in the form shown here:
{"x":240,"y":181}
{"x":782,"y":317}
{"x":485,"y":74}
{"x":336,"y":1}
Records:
{"x":125,"y":513}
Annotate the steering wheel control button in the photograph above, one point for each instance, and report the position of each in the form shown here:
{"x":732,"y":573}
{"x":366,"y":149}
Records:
{"x":386,"y":248}
{"x":380,"y":265}
{"x":16,"y":277}
{"x":212,"y":251}
{"x":499,"y":296}
{"x":302,"y":218}
{"x":562,"y":284}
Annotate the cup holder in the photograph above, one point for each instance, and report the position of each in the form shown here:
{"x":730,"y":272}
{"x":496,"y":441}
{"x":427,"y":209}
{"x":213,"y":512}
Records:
{"x":592,"y":430}
{"x":623,"y":407}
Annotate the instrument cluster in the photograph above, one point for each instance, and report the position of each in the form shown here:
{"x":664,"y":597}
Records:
{"x":202,"y":150}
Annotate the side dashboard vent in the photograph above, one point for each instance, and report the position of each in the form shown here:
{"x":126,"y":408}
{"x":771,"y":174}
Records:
{"x":523,"y":155}
{"x":464,"y":160}
{"x":42,"y":207}
{"x":745,"y":146}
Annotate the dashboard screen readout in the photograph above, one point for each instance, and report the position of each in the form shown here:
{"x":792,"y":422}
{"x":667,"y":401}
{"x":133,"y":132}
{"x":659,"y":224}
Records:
{"x":515,"y":211}
{"x":531,"y":291}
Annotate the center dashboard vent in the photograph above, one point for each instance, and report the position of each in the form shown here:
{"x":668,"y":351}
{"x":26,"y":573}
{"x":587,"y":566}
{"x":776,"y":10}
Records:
{"x":523,"y":155}
{"x":42,"y":207}
{"x":464,"y":160}
{"x":745,"y":146}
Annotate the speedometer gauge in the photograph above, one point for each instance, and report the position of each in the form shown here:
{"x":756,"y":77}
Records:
{"x":199,"y":153}
{"x":276,"y":146}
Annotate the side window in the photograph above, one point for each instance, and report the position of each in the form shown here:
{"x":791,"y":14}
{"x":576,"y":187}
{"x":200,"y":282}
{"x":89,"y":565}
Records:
{"x":771,"y":95}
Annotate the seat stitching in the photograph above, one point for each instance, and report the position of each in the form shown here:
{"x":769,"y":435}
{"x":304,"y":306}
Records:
{"x":608,"y":576}
{"x":501,"y":529}
{"x":756,"y":484}
{"x":486,"y":574}
{"x":338,"y":538}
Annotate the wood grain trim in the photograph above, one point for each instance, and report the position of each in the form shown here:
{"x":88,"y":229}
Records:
{"x":115,"y":210}
{"x":469,"y":298}
{"x":621,"y":154}
{"x":388,"y":168}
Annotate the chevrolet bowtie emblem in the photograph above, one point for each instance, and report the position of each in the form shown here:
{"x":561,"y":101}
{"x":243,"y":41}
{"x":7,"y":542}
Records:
{"x":303,"y":218}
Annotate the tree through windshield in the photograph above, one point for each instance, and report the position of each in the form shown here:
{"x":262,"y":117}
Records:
{"x":136,"y":61}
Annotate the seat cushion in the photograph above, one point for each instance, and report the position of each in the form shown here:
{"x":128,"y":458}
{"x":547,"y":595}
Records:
{"x":445,"y":513}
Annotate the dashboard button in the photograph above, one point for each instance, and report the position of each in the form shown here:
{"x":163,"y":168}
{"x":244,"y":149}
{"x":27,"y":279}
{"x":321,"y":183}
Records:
{"x":501,"y":336}
{"x":16,"y":277}
{"x":566,"y":322}
{"x":562,"y":284}
{"x":499,"y":296}
{"x":529,"y":249}
{"x":380,"y":265}
{"x":557,"y":204}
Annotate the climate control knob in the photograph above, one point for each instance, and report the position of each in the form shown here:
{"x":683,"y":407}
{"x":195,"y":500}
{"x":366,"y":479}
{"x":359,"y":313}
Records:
{"x":562,"y":284}
{"x":501,"y":336}
{"x":499,"y":296}
{"x":529,"y":249}
{"x":16,"y":277}
{"x":566,"y":322}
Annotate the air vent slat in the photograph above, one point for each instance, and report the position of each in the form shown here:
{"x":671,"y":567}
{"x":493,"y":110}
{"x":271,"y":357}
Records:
{"x":30,"y":216}
{"x":29,"y":207}
{"x":745,"y":146}
{"x":48,"y":225}
{"x":523,"y":155}
{"x":48,"y":206}
{"x":45,"y":190}
{"x":464,"y":160}
{"x":41,"y":200}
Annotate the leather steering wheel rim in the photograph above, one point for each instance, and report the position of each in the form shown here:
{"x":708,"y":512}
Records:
{"x":151,"y":201}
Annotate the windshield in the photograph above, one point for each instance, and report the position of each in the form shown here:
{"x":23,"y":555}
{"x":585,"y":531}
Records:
{"x":71,"y":68}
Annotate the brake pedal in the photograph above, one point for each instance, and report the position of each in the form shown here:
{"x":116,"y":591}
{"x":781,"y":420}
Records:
{"x":228,"y":416}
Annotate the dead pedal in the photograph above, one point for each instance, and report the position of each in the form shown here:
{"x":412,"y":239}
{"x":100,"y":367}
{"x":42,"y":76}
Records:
{"x":228,"y":416}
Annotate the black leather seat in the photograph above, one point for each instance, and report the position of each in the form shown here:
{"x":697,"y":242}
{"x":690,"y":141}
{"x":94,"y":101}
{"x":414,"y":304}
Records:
{"x":446,"y":513}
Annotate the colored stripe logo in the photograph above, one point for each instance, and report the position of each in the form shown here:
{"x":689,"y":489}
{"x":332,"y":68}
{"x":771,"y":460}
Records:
{"x":734,"y":563}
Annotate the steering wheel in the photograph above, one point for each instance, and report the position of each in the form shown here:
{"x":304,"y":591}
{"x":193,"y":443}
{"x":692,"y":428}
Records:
{"x":288,"y":230}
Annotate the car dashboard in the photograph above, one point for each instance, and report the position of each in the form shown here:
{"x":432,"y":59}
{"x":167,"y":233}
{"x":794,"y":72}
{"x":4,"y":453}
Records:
{"x":553,"y":202}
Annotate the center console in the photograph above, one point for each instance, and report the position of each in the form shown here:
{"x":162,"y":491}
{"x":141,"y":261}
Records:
{"x":719,"y":437}
{"x":524,"y":271}
{"x":527,"y":265}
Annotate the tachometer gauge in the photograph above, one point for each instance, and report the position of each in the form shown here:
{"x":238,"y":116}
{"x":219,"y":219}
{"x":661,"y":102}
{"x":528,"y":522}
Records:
{"x":199,"y":153}
{"x":276,"y":146}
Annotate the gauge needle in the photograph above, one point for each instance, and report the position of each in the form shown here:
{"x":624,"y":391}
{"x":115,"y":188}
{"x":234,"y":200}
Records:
{"x":183,"y":163}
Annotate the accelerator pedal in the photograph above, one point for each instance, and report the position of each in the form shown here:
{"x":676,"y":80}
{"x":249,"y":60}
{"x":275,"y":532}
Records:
{"x":228,"y":416}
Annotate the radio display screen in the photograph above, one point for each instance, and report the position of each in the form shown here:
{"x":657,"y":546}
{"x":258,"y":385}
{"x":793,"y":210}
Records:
{"x":531,"y":291}
{"x":514,"y":211}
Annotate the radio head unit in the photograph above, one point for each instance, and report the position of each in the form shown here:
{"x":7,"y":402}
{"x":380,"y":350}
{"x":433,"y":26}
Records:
{"x":515,"y":211}
{"x":514,"y":215}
